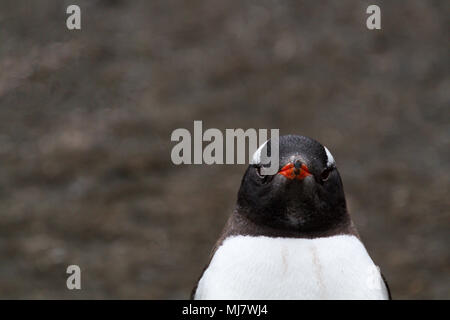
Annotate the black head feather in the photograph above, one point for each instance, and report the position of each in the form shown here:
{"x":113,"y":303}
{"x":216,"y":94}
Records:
{"x":313,"y":204}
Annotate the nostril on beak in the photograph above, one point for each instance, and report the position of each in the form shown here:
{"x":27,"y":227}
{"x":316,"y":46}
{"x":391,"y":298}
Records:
{"x":297,"y":164}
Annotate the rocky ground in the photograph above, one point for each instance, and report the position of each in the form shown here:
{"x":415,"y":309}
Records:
{"x":86,"y":117}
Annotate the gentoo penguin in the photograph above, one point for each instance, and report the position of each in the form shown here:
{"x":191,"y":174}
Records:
{"x":290,"y":235}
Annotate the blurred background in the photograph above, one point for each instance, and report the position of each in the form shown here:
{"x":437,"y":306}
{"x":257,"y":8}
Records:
{"x":86,"y":118}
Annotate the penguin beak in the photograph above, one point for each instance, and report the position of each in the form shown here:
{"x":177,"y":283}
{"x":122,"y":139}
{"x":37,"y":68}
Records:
{"x":295,"y":171}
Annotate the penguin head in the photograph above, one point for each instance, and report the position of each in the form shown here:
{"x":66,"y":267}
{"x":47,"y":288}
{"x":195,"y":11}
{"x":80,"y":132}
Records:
{"x":306,"y":194}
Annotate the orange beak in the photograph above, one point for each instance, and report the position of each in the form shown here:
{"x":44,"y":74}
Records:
{"x":291,"y":172}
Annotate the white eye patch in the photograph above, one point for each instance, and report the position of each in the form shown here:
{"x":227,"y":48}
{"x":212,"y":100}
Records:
{"x":256,"y":159}
{"x":330,"y":159}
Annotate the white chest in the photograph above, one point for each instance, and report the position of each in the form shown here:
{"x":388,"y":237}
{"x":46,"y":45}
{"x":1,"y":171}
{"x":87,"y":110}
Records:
{"x":246,"y":267}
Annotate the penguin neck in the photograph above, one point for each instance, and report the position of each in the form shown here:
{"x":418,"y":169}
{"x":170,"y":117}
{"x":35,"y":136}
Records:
{"x":240,"y":224}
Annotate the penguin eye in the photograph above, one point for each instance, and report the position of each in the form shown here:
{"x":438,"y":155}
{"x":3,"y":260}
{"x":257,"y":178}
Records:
{"x":258,"y":172}
{"x":325,"y":174}
{"x":264,"y":178}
